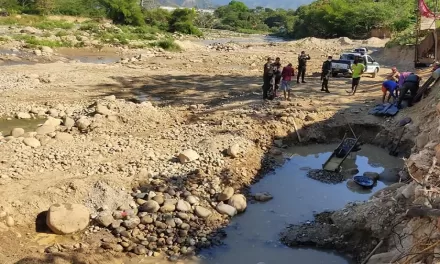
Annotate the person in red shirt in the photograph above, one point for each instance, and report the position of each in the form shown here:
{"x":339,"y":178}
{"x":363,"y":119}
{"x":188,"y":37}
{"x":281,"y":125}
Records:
{"x":286,"y":76}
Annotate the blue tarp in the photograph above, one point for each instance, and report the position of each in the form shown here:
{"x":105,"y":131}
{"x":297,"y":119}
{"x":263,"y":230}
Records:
{"x":384,"y":110}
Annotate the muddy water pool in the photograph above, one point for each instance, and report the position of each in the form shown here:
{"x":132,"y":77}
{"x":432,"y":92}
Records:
{"x":252,"y":237}
{"x":29,"y":125}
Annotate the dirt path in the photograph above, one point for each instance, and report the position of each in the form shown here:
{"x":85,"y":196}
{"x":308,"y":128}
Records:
{"x":202,"y":99}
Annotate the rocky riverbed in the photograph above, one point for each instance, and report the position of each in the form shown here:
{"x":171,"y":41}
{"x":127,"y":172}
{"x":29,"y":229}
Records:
{"x":158,"y":177}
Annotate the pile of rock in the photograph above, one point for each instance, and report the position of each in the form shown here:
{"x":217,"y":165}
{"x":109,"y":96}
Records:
{"x":174,"y":221}
{"x":221,"y":47}
{"x":326,"y":176}
{"x":61,"y":121}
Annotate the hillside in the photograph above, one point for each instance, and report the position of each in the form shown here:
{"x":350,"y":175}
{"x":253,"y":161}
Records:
{"x":251,"y":3}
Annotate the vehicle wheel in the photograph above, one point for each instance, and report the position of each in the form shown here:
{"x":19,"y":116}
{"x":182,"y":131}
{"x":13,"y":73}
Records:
{"x":334,"y":74}
{"x":375,"y":73}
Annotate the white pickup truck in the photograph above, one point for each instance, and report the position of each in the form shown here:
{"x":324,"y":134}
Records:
{"x":343,"y":65}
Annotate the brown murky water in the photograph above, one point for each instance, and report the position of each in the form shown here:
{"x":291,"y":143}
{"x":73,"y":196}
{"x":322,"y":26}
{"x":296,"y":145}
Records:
{"x":29,"y":125}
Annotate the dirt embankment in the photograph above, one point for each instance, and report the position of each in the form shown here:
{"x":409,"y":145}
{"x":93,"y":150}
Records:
{"x":159,"y":148}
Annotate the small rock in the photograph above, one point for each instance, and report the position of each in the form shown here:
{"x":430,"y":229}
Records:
{"x":46,"y":49}
{"x":372,"y":175}
{"x":52,"y":122}
{"x":188,"y":155}
{"x":278,"y":143}
{"x":105,"y":218}
{"x":68,"y":122}
{"x":234,"y":150}
{"x":23,"y":115}
{"x":32,"y":142}
{"x":150,"y":206}
{"x":67,"y":218}
{"x":146,"y":220}
{"x":110,"y":98}
{"x":38,"y":52}
{"x":263,"y":197}
{"x":226,"y":194}
{"x":17,"y":132}
{"x":102,"y":109}
{"x":202,"y":212}
{"x":192,"y":200}
{"x":45,"y":129}
{"x":226,"y":209}
{"x":64,"y":137}
{"x":239,"y":202}
{"x":140,"y":250}
{"x":132,"y":222}
{"x":10,"y":221}
{"x":183,"y":206}
{"x":83,"y":123}
{"x":168,"y":207}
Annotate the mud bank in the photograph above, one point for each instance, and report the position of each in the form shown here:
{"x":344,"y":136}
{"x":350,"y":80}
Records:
{"x":398,"y":222}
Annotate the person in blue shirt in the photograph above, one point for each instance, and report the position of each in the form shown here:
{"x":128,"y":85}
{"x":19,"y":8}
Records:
{"x":389,"y":86}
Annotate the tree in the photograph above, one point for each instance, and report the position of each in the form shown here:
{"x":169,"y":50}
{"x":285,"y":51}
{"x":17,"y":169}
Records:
{"x":124,"y":11}
{"x":45,"y":7}
{"x":182,"y":21}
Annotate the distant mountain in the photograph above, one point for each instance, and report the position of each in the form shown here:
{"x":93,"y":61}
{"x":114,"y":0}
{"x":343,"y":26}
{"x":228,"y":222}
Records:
{"x":286,"y":4}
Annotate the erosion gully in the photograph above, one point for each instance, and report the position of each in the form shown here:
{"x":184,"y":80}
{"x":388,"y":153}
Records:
{"x":252,"y":237}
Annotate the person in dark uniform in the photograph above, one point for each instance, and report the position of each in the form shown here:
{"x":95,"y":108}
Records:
{"x":325,"y":74}
{"x":411,"y":84}
{"x":277,"y":71}
{"x":267,"y":77}
{"x":302,"y":65}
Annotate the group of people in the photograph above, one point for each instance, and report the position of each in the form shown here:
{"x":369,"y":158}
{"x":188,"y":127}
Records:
{"x":396,"y":84}
{"x":274,"y":75}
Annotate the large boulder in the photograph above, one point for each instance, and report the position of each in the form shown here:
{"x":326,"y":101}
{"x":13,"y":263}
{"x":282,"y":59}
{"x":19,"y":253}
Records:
{"x":67,"y":218}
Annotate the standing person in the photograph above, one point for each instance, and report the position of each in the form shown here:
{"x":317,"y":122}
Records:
{"x":287,"y":74}
{"x":325,"y":74}
{"x":357,"y":70}
{"x":277,"y":72}
{"x":391,"y":87}
{"x":302,"y":65}
{"x":267,"y":77}
{"x":411,"y":84}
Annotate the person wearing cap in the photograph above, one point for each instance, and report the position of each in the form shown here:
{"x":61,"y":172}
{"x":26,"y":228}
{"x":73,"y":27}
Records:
{"x":302,"y":65}
{"x":394,"y":75}
{"x":325,"y":74}
{"x":267,"y":77}
{"x":389,"y":86}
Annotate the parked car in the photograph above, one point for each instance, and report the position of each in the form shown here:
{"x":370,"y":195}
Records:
{"x":343,"y":65}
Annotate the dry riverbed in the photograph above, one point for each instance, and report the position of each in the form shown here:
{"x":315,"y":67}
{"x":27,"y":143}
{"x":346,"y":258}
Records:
{"x":159,"y":148}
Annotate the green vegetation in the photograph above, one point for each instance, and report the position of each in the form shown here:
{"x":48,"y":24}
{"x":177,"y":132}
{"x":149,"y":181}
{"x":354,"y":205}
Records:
{"x":166,"y":44}
{"x":122,"y":12}
{"x":33,"y":42}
